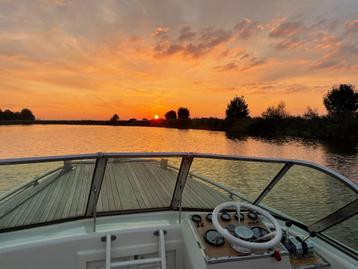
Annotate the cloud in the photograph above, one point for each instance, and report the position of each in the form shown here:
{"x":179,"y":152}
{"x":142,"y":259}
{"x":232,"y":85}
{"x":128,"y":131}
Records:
{"x":186,"y":34}
{"x":290,"y":43}
{"x":282,"y":88}
{"x":193,"y":44}
{"x":326,"y":41}
{"x":59,"y":2}
{"x":228,"y":67}
{"x":342,"y":49}
{"x":198,"y":43}
{"x":274,"y":87}
{"x":351,"y":27}
{"x":327,"y":64}
{"x":326,"y":44}
{"x":247,"y":28}
{"x":287,"y":29}
{"x":160,"y":31}
{"x":243,"y":63}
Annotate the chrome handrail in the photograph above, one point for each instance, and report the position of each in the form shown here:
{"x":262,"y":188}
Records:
{"x":315,"y":166}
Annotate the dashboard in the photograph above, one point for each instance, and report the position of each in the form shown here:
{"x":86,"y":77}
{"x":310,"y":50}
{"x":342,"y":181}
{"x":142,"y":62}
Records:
{"x":249,"y":226}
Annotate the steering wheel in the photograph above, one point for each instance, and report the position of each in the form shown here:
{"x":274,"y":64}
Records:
{"x":275,"y":236}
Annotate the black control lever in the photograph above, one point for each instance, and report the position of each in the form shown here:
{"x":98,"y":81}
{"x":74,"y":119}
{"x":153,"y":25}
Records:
{"x":311,"y":234}
{"x":288,"y":225}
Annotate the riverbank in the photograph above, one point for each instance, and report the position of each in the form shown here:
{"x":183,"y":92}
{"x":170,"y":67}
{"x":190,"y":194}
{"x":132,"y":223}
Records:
{"x":328,"y":128}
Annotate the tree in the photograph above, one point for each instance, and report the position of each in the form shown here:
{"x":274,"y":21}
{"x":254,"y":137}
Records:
{"x":183,"y":113}
{"x":171,"y":115}
{"x":237,"y":108}
{"x":26,"y":114}
{"x":114,"y":119}
{"x":342,"y":100}
{"x":8,"y":115}
{"x":310,"y":113}
{"x":278,"y":112}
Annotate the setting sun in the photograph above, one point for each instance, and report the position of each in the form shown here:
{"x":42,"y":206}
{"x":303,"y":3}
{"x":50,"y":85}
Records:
{"x":156,"y":117}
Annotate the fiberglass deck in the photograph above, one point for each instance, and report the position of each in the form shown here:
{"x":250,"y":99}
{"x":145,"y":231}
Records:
{"x":127,"y":185}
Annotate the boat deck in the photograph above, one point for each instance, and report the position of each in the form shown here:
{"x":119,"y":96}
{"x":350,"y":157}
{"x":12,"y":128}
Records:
{"x":127,"y":185}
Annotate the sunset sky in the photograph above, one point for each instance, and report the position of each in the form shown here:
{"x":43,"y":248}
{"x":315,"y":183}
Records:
{"x":91,"y":59}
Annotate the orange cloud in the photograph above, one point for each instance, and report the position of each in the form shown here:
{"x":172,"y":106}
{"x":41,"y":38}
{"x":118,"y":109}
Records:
{"x":287,"y":29}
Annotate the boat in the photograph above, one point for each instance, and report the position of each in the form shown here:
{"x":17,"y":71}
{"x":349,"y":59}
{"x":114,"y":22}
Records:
{"x":175,"y":210}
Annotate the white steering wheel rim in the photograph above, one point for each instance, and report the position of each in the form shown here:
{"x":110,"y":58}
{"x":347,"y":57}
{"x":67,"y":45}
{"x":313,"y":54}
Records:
{"x":237,"y":241}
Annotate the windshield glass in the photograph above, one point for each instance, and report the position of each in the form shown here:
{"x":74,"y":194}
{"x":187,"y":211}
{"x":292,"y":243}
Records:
{"x":308,"y":195}
{"x":45,"y":192}
{"x":138,"y":183}
{"x":345,"y":232}
{"x":54,"y":191}
{"x":244,"y":179}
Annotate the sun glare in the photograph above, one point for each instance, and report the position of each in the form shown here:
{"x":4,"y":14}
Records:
{"x":156,"y":117}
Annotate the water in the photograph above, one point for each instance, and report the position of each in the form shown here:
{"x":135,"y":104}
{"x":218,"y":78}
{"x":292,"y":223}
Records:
{"x":297,"y":195}
{"x":44,"y":140}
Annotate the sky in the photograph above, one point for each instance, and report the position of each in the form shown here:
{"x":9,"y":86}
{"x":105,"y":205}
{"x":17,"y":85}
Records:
{"x":67,"y":59}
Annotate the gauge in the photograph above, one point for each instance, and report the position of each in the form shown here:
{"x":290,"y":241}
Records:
{"x":225,"y":216}
{"x":213,"y":238}
{"x":231,"y":228}
{"x":259,"y":232}
{"x":252,"y":215}
{"x":243,"y":232}
{"x":196,"y":218}
{"x":242,"y":216}
{"x":209,"y":217}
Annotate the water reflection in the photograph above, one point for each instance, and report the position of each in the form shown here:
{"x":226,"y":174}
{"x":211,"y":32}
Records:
{"x":338,"y":155}
{"x":345,"y":148}
{"x":43,"y":140}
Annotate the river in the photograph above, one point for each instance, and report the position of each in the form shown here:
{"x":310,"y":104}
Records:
{"x":44,"y":140}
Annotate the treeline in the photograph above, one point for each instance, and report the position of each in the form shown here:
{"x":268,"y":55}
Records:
{"x":23,"y":115}
{"x":323,"y":127}
{"x":340,"y":122}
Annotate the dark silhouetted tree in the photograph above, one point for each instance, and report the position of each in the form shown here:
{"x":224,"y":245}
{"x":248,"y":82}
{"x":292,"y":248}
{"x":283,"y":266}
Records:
{"x":237,"y":108}
{"x":114,"y":119}
{"x":171,"y":115}
{"x":26,"y":114}
{"x":183,"y":113}
{"x":310,"y":113}
{"x":341,"y":100}
{"x":278,"y":112}
{"x":8,"y":115}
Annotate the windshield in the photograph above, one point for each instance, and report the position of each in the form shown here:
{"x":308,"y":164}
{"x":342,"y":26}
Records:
{"x":308,"y":195}
{"x":57,"y":189}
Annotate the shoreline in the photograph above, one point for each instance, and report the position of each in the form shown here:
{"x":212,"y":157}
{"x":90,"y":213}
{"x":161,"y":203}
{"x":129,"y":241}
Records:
{"x":323,"y":128}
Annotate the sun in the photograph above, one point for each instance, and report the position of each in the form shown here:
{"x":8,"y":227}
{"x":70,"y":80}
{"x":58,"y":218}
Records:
{"x":156,"y":117}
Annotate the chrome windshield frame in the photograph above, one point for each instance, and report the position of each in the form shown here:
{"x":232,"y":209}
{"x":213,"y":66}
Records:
{"x":187,"y":158}
{"x":315,"y":166}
